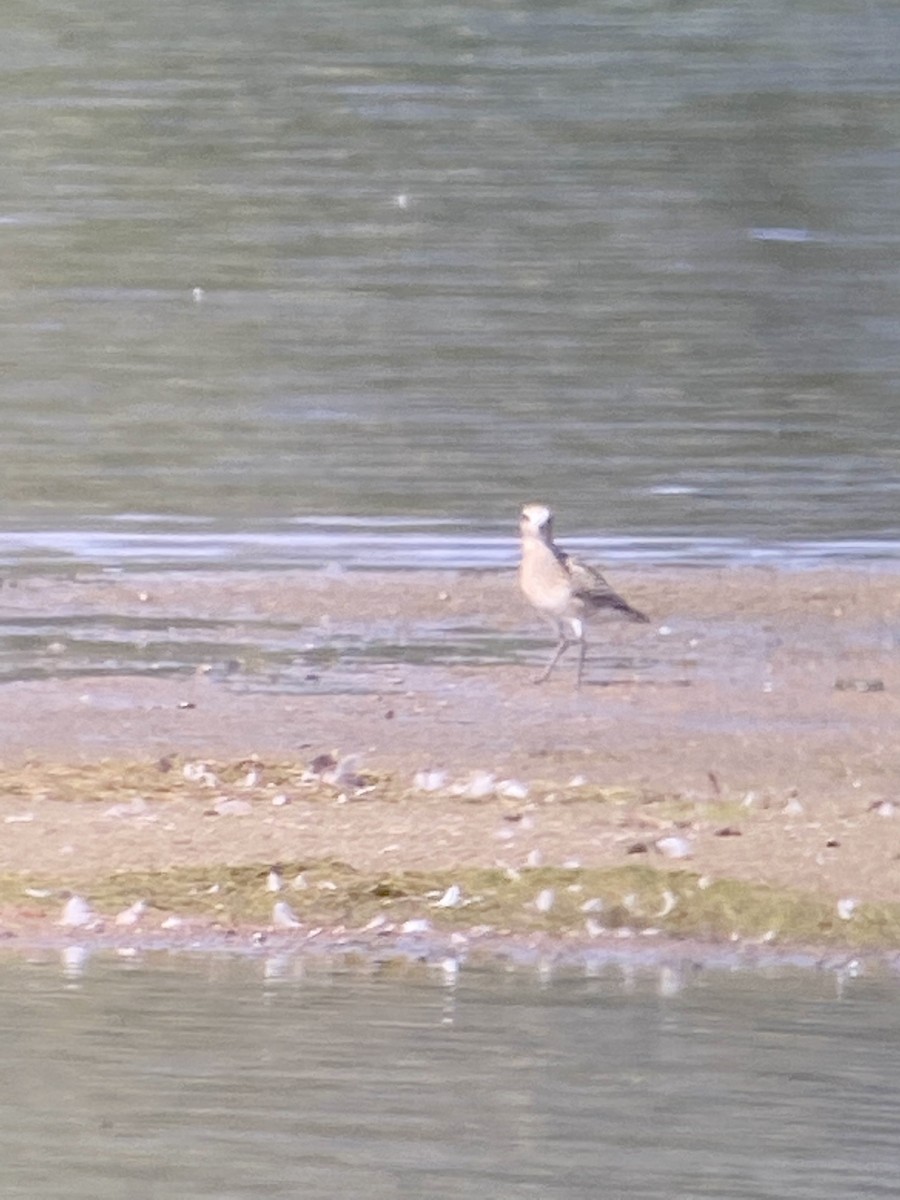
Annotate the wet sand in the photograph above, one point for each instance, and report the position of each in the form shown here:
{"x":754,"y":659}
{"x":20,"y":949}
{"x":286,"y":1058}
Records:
{"x":755,"y":718}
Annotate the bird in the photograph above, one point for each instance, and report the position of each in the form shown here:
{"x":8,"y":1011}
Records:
{"x":563,"y":589}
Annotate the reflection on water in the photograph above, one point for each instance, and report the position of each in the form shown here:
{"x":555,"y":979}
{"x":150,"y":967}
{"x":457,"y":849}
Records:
{"x":217,"y":1078}
{"x":403,"y":262}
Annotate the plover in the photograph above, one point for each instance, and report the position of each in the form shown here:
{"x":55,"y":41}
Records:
{"x":563,"y":590}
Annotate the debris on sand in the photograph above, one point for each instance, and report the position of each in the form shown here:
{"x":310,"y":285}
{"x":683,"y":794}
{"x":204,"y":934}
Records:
{"x":283,"y":916}
{"x":451,"y":898}
{"x":674,"y":847}
{"x":77,"y":913}
{"x":131,"y":916}
{"x":430,"y":779}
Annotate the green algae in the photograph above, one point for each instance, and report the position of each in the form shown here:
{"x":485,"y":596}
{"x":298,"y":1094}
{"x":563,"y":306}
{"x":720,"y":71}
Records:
{"x":559,"y":902}
{"x":170,"y":777}
{"x":566,"y":903}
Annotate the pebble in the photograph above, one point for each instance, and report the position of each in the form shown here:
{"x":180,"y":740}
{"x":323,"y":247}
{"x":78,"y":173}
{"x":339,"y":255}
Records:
{"x":345,"y":773}
{"x":136,"y":807}
{"x":479,"y":787}
{"x":674,"y":847}
{"x":429,"y":780}
{"x":451,"y":898}
{"x":283,"y":916}
{"x":76,"y":913}
{"x":416,"y":925}
{"x":131,"y":916}
{"x":859,"y":685}
{"x":232,"y":808}
{"x":512,"y":789}
{"x":199,"y":772}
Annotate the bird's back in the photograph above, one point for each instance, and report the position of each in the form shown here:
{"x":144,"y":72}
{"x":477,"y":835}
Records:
{"x":592,"y":590}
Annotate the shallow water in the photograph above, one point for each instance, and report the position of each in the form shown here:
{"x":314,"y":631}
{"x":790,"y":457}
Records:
{"x":98,"y":625}
{"x":634,"y":260}
{"x":210,"y":1077}
{"x":281,"y":656}
{"x":56,"y":633}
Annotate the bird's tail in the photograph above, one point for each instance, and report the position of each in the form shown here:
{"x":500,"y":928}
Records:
{"x":633,"y":614}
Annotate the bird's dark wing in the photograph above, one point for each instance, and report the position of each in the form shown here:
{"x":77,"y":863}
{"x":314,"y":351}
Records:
{"x":589,"y":586}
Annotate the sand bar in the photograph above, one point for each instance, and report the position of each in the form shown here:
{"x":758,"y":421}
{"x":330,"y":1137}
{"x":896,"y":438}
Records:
{"x":756,"y":718}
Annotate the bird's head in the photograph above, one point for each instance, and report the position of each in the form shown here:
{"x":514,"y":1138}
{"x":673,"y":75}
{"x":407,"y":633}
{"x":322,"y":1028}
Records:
{"x":536,"y":521}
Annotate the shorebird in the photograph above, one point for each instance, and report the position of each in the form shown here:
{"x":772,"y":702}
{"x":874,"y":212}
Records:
{"x":562,"y":589}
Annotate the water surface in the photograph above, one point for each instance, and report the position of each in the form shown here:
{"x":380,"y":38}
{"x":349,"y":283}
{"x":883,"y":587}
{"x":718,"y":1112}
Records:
{"x":637,"y":260}
{"x":224,"y":1079}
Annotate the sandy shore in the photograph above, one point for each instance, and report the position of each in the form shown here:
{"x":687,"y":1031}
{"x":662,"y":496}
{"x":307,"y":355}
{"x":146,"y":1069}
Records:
{"x":755,"y":720}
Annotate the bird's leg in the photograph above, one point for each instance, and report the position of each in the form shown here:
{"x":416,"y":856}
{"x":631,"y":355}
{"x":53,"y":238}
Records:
{"x":567,"y":639}
{"x":561,"y":648}
{"x":578,"y":630}
{"x":582,"y":651}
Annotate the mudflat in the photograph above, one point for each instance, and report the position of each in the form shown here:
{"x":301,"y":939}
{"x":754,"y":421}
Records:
{"x":749,"y":734}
